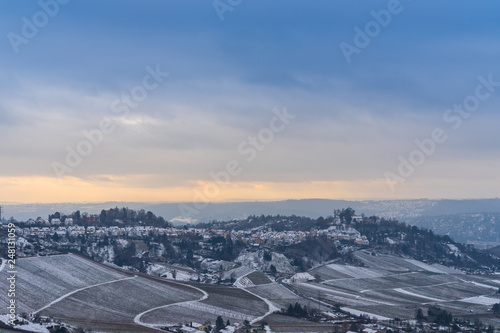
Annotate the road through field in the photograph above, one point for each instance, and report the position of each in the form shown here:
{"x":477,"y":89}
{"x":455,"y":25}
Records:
{"x":137,"y":318}
{"x":270,"y":304}
{"x":272,"y":307}
{"x":81,"y":289}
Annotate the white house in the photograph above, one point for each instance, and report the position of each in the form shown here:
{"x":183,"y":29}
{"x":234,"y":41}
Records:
{"x":55,"y":222}
{"x":302,"y":277}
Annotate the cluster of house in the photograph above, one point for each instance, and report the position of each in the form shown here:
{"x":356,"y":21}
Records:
{"x":261,"y":236}
{"x":52,"y":222}
{"x":343,"y":232}
{"x":256,"y":237}
{"x":76,"y":230}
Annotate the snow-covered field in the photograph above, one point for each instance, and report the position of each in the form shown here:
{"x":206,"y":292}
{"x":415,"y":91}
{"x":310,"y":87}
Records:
{"x":355,"y":272}
{"x":359,"y":313}
{"x":234,"y":299}
{"x":84,"y":293}
{"x":234,"y":304}
{"x":258,"y":278}
{"x":484,"y":285}
{"x":338,"y":296}
{"x":384,"y":262}
{"x":481,"y":300}
{"x":195,"y":312}
{"x":277,"y":293}
{"x":391,"y":286}
{"x":41,"y":280}
{"x":406,"y":292}
{"x":238,"y":272}
{"x":430,"y":268}
{"x":363,"y":285}
{"x":274,"y":291}
{"x":452,"y":291}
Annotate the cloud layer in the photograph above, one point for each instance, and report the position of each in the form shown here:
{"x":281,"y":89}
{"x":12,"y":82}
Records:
{"x":353,"y":120}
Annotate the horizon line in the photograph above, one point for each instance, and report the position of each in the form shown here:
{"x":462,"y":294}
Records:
{"x":12,"y":203}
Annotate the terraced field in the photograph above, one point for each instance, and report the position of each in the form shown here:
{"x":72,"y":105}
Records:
{"x":102,"y":298}
{"x":277,"y":294}
{"x":234,"y":304}
{"x":53,"y":277}
{"x":119,"y":302}
{"x":390,"y":286}
{"x":258,"y":278}
{"x":286,"y":324}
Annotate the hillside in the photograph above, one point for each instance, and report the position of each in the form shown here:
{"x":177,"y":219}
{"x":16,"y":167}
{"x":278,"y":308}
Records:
{"x":389,"y":286}
{"x":388,"y":236}
{"x":87,"y":294}
{"x":475,"y":228}
{"x":494,"y":251}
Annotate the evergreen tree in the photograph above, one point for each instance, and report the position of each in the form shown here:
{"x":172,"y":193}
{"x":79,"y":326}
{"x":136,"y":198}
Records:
{"x":420,"y":314}
{"x":103,"y":217}
{"x":290,"y":310}
{"x":219,"y":323}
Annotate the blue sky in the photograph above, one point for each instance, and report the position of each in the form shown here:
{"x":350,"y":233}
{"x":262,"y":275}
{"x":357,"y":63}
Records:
{"x":353,"y":119}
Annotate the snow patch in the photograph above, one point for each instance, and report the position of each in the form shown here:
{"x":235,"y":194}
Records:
{"x":482,"y":300}
{"x":454,"y":249}
{"x":268,"y":329}
{"x":244,"y":282}
{"x":482,"y":285}
{"x":303,"y":277}
{"x":425,"y":266}
{"x":337,"y":293}
{"x":255,"y":260}
{"x":406,"y":292}
{"x":21,"y":242}
{"x":355,"y":272}
{"x":359,"y":313}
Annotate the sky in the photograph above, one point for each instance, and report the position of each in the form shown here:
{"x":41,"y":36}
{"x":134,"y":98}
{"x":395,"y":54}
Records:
{"x":230,"y":100}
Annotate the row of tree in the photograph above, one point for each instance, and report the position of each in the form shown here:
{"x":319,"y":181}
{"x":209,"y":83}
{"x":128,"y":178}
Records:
{"x":114,"y":217}
{"x":435,"y":315}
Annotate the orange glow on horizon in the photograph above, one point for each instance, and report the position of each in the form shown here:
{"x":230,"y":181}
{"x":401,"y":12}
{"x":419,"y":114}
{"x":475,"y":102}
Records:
{"x":102,"y":188}
{"x":71,"y":189}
